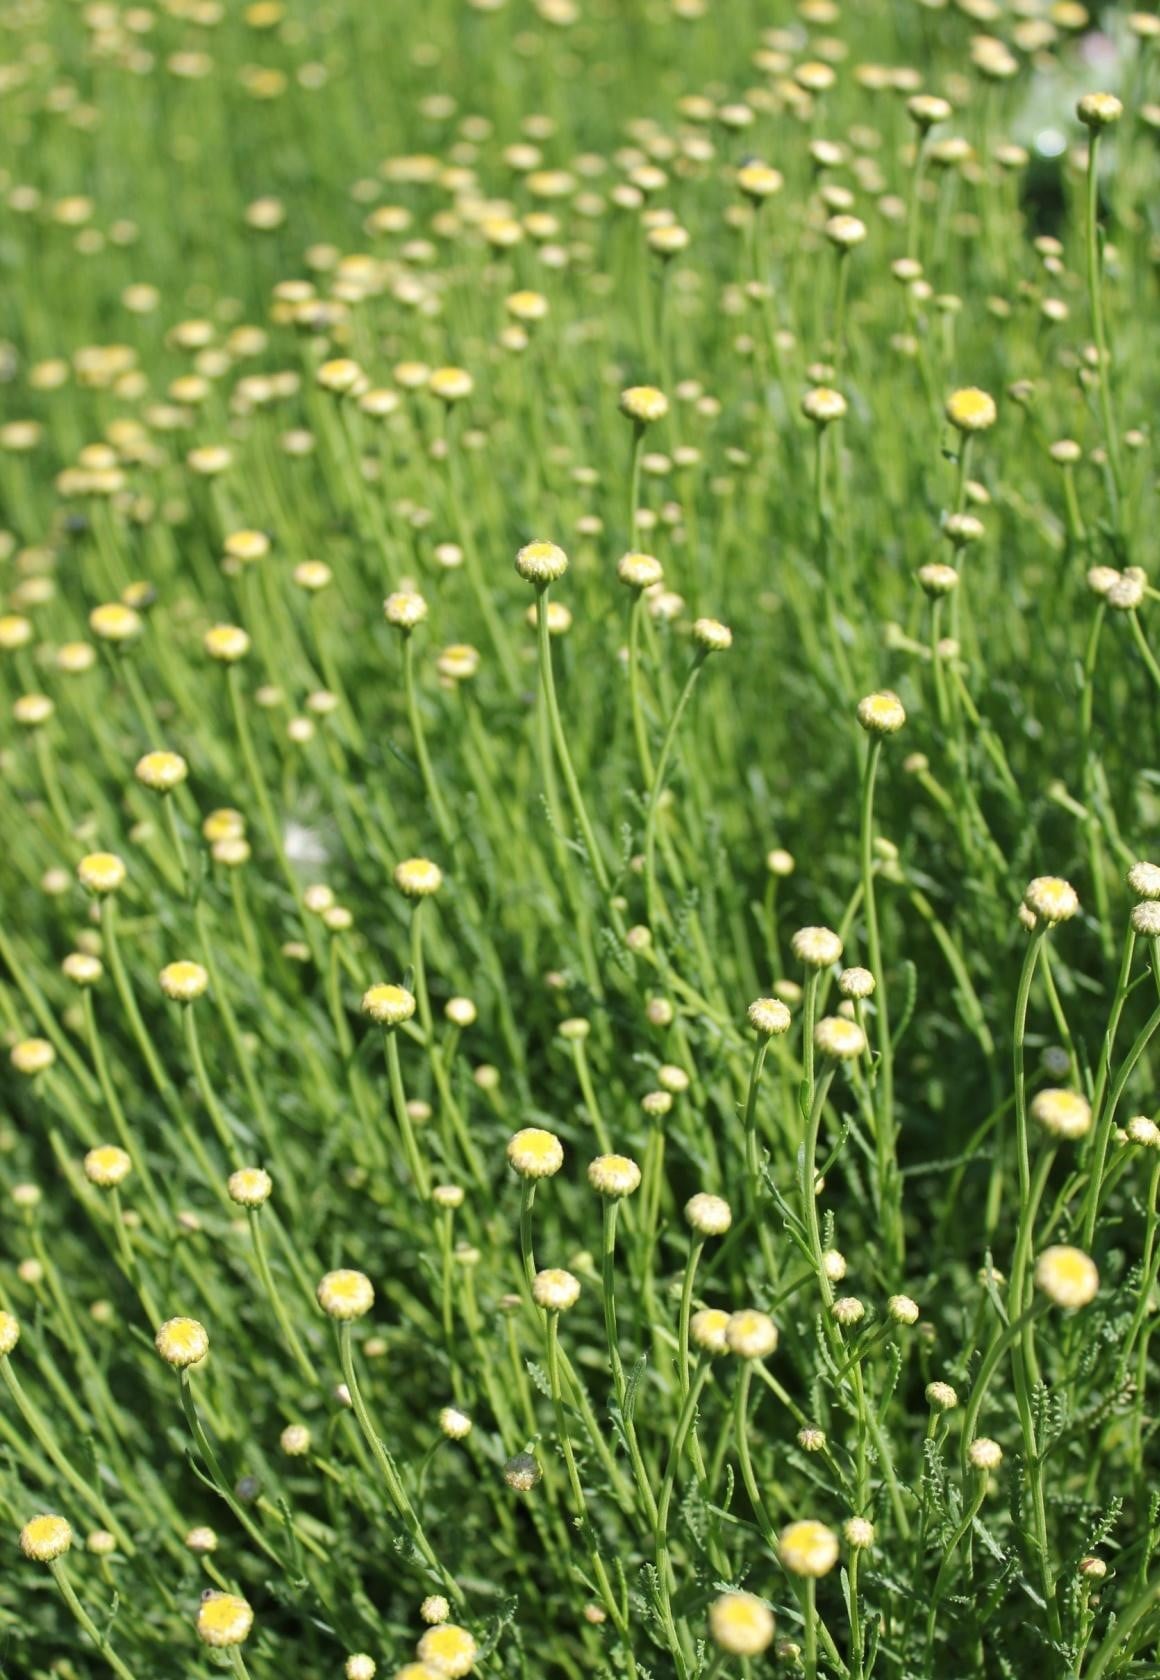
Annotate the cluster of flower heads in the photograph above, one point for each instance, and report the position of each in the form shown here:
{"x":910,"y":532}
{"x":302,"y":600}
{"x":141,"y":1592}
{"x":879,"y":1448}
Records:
{"x":355,"y":405}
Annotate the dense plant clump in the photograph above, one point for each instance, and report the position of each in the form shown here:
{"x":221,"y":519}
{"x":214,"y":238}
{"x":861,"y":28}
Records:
{"x":578,"y":966}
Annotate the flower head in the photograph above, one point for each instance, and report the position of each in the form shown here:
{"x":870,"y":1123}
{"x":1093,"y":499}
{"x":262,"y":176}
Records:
{"x":741,"y":1624}
{"x":182,"y":1342}
{"x":639,"y":571}
{"x":1051,"y":899}
{"x":387,"y":1004}
{"x":555,"y":1289}
{"x":45,"y":1538}
{"x":448,"y":1650}
{"x":405,"y":608}
{"x":808,"y":1548}
{"x":346,"y":1294}
{"x":450,"y":384}
{"x":535,"y":1153}
{"x":1145,"y":918}
{"x":644,"y":404}
{"x":709,"y":1216}
{"x":845,"y":231}
{"x":101,"y":872}
{"x":614,"y":1176}
{"x":114,"y":622}
{"x":418,"y":877}
{"x":712,"y":636}
{"x":769,"y":1017}
{"x":247,"y":546}
{"x":1065,"y":1114}
{"x":823,"y":405}
{"x":9,"y":1333}
{"x":984,"y":1453}
{"x":927,"y":109}
{"x":31,"y":710}
{"x":161,"y":771}
{"x":227,"y":643}
{"x":249,"y":1186}
{"x":843,"y":1040}
{"x":107,"y":1166}
{"x":937,"y":578}
{"x":456,"y":1425}
{"x":1144,"y":880}
{"x":751,"y":1334}
{"x":521,"y":1472}
{"x":32,"y":1055}
{"x":758,"y":181}
{"x":1099,"y":110}
{"x":817,"y":947}
{"x":541,"y":562}
{"x":882,"y":713}
{"x":1067,"y":1276}
{"x":708,"y":1329}
{"x":971,"y":410}
{"x":224,"y":1619}
{"x":184,"y":982}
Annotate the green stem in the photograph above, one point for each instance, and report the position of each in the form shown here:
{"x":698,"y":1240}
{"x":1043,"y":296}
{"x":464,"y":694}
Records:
{"x":116,"y":1112}
{"x":216,"y":1473}
{"x":415,"y":1163}
{"x":608,"y":1290}
{"x":604,"y":1585}
{"x":560,"y":740}
{"x":889,"y":1184}
{"x":386,"y":1464}
{"x":1105,"y":1123}
{"x":208,"y":1094}
{"x":41,"y":1434}
{"x":67,"y":1592}
{"x":419,"y":740}
{"x":1124,"y":1625}
{"x":658,"y":783}
{"x":1095,"y":298}
{"x":752,"y":1162}
{"x":289,"y":1334}
{"x":741,"y":1426}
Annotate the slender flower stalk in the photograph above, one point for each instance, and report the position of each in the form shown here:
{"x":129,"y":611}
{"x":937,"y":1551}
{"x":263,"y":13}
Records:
{"x":889,"y":1184}
{"x":560,"y":742}
{"x":652,"y":900}
{"x":217,"y":1475}
{"x":608,"y":1597}
{"x":420,"y":1176}
{"x":752,"y":1161}
{"x":278,"y":1306}
{"x":85,"y":1621}
{"x":1115,"y":475}
{"x":644,"y":1490}
{"x":42,"y":1434}
{"x":116,"y":1112}
{"x":387,"y":1467}
{"x":431,"y":786}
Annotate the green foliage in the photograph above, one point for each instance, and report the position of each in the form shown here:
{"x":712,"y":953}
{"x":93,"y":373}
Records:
{"x":345,"y":845}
